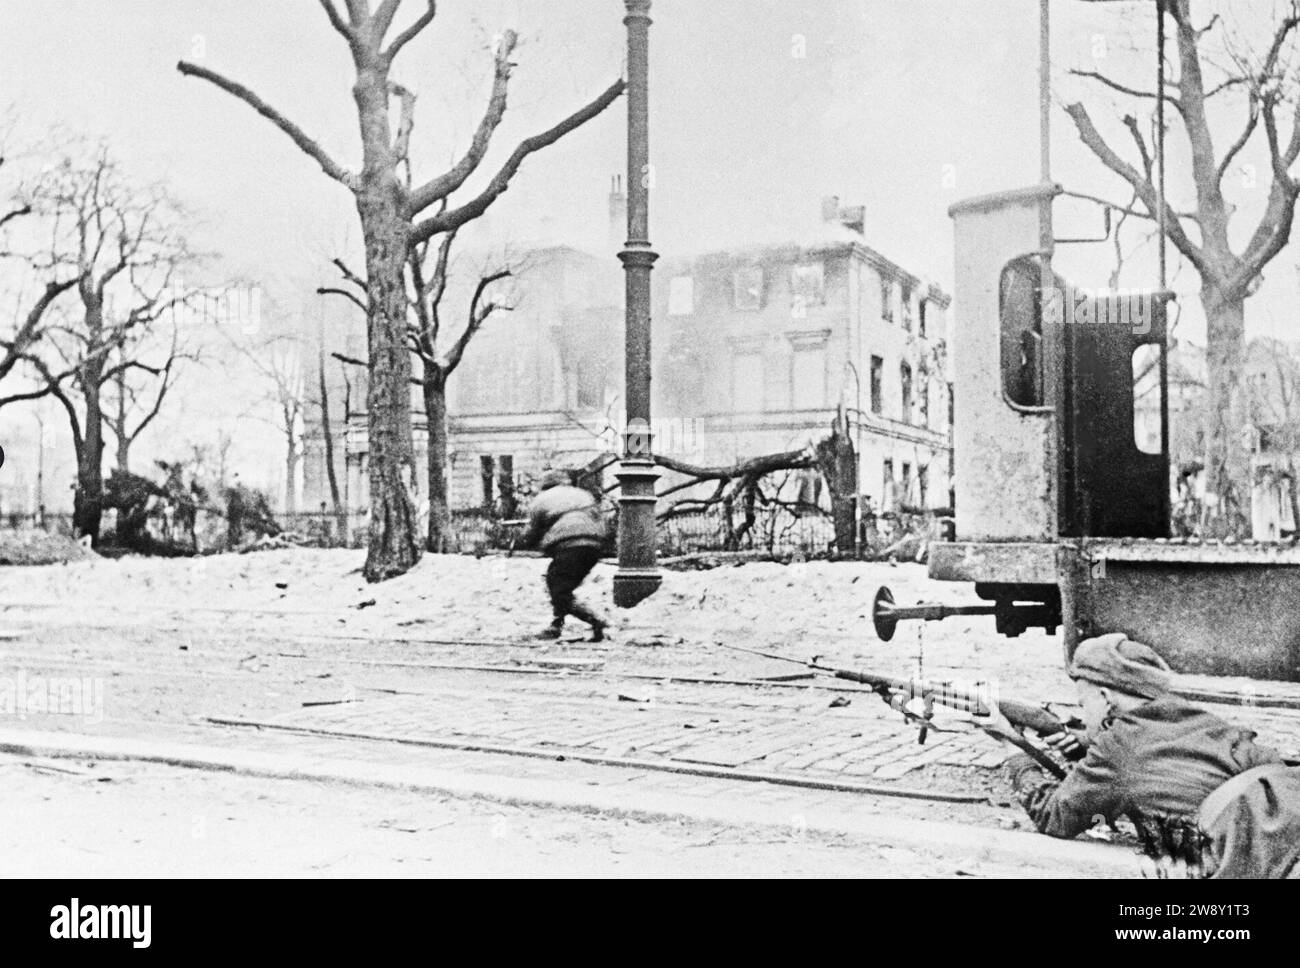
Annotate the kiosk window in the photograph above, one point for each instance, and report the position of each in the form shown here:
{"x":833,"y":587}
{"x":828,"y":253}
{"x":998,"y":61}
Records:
{"x":1021,"y":317}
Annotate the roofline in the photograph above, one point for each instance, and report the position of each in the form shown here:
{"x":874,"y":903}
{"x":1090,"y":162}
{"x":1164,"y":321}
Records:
{"x":1016,"y":196}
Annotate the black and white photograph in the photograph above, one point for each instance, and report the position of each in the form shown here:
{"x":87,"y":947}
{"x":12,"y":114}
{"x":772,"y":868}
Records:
{"x":675,"y":439}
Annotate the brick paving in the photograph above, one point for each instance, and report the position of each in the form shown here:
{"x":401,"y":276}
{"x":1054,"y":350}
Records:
{"x":869,"y":743}
{"x":791,"y":733}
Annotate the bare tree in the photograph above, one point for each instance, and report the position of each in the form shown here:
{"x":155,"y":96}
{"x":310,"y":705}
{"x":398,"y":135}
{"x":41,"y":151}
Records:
{"x":1228,"y":276}
{"x":27,"y":326}
{"x":119,"y":244}
{"x":394,"y":218}
{"x":137,"y":391}
{"x":278,"y":360}
{"x":438,"y":353}
{"x":438,"y":363}
{"x":327,"y":431}
{"x":1274,"y":401}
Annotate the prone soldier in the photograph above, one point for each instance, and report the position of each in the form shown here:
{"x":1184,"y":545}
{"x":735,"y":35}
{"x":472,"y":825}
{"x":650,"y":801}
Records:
{"x":1190,"y":781}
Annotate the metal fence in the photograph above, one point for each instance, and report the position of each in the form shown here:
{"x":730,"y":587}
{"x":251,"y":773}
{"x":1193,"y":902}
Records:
{"x":776,"y":530}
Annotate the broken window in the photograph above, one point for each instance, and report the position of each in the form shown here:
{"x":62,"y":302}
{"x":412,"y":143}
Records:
{"x":907,"y":307}
{"x":807,"y":288}
{"x":748,"y":288}
{"x":905,"y":379}
{"x":887,"y":299}
{"x":877,"y":379}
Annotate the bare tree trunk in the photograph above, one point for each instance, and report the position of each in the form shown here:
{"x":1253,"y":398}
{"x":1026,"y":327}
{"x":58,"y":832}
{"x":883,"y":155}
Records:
{"x":119,"y":426}
{"x":1227,"y":461}
{"x":328,"y":430}
{"x":838,"y":464}
{"x":394,"y":545}
{"x":435,"y":411}
{"x":290,"y":474}
{"x":88,"y":502}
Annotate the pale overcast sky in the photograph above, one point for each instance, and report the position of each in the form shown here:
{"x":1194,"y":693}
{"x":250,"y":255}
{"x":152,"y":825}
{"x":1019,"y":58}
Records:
{"x":759,"y":108}
{"x":901,"y":105}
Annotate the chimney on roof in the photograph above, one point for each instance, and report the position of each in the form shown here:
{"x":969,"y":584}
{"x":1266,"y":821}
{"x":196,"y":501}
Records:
{"x":617,"y":212}
{"x":853,"y":217}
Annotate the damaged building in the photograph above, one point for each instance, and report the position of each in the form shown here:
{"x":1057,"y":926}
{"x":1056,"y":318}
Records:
{"x":756,"y":349}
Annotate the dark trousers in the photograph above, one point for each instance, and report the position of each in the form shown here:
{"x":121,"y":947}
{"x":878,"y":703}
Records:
{"x":568,"y":569}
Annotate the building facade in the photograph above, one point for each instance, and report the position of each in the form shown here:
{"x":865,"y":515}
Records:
{"x":755,"y":350}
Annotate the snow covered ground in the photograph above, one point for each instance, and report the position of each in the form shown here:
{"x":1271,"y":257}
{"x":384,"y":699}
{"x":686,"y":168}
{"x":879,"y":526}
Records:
{"x":801,"y":609}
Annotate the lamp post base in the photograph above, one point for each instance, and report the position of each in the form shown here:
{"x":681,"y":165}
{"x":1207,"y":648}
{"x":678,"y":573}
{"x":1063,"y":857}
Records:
{"x":634,"y":585}
{"x":637,"y":576}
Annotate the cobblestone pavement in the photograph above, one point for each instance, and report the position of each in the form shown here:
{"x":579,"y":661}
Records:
{"x":828,"y":743}
{"x":799,"y":733}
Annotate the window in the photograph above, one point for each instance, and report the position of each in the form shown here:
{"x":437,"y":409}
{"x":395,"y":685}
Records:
{"x":923,"y":486}
{"x":887,"y":486}
{"x":808,"y":376}
{"x":747,"y":382}
{"x":907,"y":307}
{"x":681,"y":296}
{"x":920,"y":317}
{"x":906,"y":484}
{"x":487,"y":471}
{"x":748,"y":288}
{"x":887,"y":299}
{"x":807,"y":288}
{"x":589,"y":376}
{"x":506,"y":485}
{"x":1022,"y":333}
{"x":905,"y":379}
{"x":877,"y":379}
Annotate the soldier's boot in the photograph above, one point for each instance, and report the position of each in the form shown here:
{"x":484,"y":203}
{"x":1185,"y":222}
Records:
{"x":598,"y":624}
{"x":553,"y":630}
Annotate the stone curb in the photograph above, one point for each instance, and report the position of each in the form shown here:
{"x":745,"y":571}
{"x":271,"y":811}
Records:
{"x":855,"y":819}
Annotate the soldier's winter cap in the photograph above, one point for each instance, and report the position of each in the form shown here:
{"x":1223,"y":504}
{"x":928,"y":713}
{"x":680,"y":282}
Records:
{"x":1117,"y":661}
{"x":554,"y":478}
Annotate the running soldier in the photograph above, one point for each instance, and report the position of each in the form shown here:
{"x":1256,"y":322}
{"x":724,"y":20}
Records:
{"x":566,"y":524}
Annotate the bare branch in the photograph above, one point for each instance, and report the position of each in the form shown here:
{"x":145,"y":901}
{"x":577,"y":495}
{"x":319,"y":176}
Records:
{"x":411,"y":32}
{"x":1141,"y":186}
{"x":1123,"y":209}
{"x":402,"y":142}
{"x":478,"y":315}
{"x":349,"y":275}
{"x":353,"y":361}
{"x":16,"y":213}
{"x":1130,"y":122}
{"x":350,"y":296}
{"x":1121,"y":88}
{"x":1251,"y":123}
{"x":28,"y":333}
{"x":442,"y":186}
{"x":296,"y":134}
{"x":382,"y":20}
{"x":454,"y":218}
{"x":337,"y":22}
